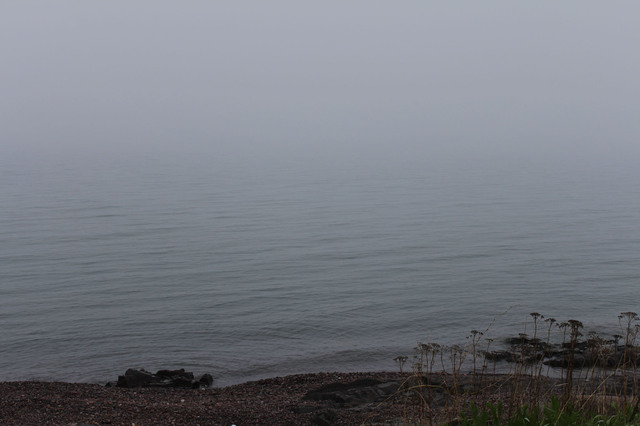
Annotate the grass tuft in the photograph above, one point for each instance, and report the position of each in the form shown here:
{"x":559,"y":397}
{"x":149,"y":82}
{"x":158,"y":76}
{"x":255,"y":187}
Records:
{"x":581,"y":380}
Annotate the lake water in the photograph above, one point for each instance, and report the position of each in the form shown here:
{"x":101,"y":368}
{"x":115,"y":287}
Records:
{"x":248,"y":271}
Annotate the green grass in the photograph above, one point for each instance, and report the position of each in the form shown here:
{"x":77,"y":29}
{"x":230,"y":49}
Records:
{"x":555,"y":413}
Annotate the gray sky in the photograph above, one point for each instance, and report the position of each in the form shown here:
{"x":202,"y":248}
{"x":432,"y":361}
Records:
{"x":261,"y":79}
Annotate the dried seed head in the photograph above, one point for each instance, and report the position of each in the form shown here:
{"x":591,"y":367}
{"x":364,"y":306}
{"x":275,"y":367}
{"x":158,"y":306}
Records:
{"x":575,"y":324}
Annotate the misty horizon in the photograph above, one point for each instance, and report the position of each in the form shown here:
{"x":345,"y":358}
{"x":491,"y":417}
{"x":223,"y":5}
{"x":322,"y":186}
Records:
{"x":363,"y":80}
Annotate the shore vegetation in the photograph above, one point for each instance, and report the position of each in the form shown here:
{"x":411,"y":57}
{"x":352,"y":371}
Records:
{"x":553,"y":373}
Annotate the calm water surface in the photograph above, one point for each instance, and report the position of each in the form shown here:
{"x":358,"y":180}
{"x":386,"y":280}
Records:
{"x":250,"y":272}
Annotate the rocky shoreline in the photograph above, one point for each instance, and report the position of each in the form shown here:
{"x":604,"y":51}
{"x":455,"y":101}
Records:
{"x":170,"y":397}
{"x":372,"y":398}
{"x":319,"y":398}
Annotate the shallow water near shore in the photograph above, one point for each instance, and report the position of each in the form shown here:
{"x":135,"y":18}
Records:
{"x":247,"y":272}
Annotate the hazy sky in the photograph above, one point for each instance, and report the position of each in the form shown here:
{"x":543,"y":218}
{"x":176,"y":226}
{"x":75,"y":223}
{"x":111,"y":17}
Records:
{"x":316,"y":80}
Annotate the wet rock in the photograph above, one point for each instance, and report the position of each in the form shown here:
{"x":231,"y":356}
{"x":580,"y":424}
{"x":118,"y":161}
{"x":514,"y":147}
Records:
{"x":586,"y":354}
{"x":579,"y":361}
{"x":206,"y":380}
{"x":578,"y":346}
{"x":133,"y":378}
{"x":555,"y":362}
{"x":175,"y":374}
{"x":523,"y":340}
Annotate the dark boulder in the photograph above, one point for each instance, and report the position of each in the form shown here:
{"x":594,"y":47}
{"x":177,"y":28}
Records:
{"x":164,"y":378}
{"x":206,"y":380}
{"x":135,"y":379}
{"x":175,"y":374}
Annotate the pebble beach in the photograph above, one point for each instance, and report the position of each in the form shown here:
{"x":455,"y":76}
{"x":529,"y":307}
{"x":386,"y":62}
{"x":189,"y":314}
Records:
{"x":274,"y":401}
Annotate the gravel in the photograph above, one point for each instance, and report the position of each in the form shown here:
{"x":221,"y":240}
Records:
{"x":275,"y":401}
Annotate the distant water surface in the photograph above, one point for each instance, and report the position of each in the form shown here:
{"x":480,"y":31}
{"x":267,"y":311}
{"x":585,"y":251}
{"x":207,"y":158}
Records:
{"x":248,"y":272}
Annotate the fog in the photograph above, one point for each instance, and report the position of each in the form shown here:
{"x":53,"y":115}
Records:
{"x":321,"y":82}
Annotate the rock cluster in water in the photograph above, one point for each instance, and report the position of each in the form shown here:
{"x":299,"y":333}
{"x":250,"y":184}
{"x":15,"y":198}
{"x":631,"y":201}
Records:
{"x":133,"y":378}
{"x":589,"y":353}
